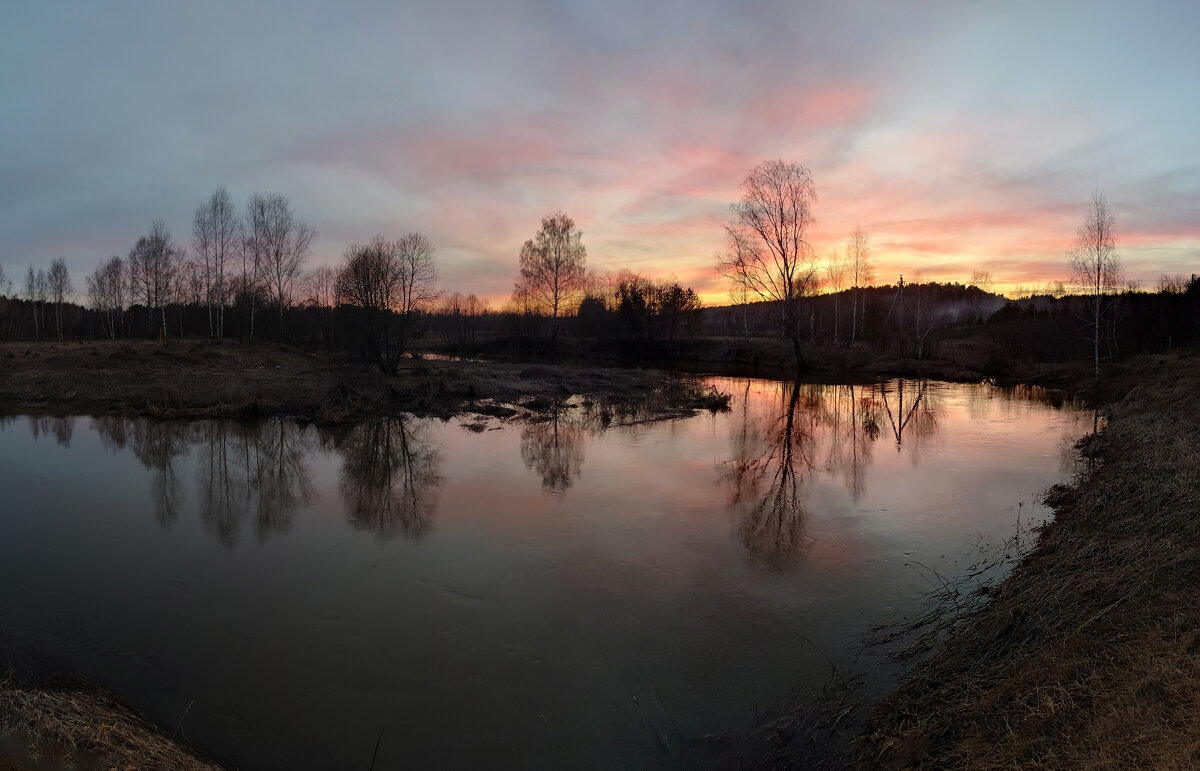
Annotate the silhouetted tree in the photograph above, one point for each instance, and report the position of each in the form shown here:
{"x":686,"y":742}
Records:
{"x":281,"y":243}
{"x":152,"y":264}
{"x":1095,"y":266}
{"x":767,"y":238}
{"x":60,"y":286}
{"x":216,"y":238}
{"x":392,"y":282}
{"x":552,"y":266}
{"x":858,"y":262}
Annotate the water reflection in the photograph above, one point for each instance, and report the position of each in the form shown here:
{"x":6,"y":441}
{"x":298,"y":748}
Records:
{"x":772,"y":457}
{"x":60,"y":428}
{"x":159,"y":446}
{"x":793,"y":431}
{"x":244,"y":470}
{"x":552,"y":443}
{"x":390,"y":479}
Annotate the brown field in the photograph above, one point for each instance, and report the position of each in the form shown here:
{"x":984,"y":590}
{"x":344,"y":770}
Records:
{"x":203,"y":380}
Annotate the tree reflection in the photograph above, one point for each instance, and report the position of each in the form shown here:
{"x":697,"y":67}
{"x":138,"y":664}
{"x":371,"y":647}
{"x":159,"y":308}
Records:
{"x":390,"y":479}
{"x":912,"y":411}
{"x":61,"y":428}
{"x":850,"y":419}
{"x":159,"y":446}
{"x":772,"y":458}
{"x":809,"y":429}
{"x":272,"y":456}
{"x":552,"y":445}
{"x":221,"y":489}
{"x":243,"y":469}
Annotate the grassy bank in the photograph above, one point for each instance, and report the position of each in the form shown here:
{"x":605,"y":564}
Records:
{"x":81,"y":727}
{"x":1088,"y":654}
{"x":202,"y":380}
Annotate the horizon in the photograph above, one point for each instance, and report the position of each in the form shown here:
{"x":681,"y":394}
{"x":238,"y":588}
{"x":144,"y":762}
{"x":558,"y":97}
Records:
{"x":962,"y":139}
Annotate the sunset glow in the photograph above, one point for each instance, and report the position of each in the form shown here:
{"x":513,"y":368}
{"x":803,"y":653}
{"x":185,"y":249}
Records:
{"x":962,"y":138}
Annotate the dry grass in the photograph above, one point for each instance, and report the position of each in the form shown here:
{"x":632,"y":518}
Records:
{"x":1087,"y":655}
{"x":86,"y":728}
{"x":191,"y":379}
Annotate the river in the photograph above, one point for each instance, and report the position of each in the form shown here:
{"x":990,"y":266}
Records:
{"x":584,"y":590}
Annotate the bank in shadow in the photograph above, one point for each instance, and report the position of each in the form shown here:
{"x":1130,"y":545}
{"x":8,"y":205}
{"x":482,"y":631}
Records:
{"x":390,"y":479}
{"x":552,"y":442}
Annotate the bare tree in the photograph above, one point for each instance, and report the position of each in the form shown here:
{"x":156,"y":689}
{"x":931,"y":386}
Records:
{"x":552,"y":266}
{"x":835,"y":275}
{"x":767,"y":238}
{"x":393,"y":282}
{"x":1095,"y":266}
{"x":281,"y":242}
{"x":31,"y":294}
{"x":858,"y":260}
{"x":732,"y":266}
{"x":321,"y":288}
{"x":981,"y":280}
{"x":106,"y":293}
{"x":216,"y":237}
{"x":152,"y":265}
{"x":59,"y":279}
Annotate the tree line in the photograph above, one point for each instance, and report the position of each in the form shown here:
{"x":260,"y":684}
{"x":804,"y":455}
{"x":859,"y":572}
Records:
{"x":245,"y":277}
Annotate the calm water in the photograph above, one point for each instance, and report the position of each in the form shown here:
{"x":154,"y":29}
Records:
{"x":575,"y":592}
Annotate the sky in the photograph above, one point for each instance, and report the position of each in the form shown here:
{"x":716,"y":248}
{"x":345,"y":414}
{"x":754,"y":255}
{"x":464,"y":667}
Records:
{"x":962,"y":136}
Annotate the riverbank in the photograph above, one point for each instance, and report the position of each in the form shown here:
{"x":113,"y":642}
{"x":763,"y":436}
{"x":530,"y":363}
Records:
{"x":191,"y":380}
{"x":1086,"y":655}
{"x":81,"y":727}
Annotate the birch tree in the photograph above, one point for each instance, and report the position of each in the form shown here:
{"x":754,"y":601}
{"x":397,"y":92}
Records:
{"x":59,"y":280}
{"x":152,"y":265}
{"x":552,"y":266}
{"x":835,"y":275}
{"x":1096,"y":268}
{"x":216,"y":237}
{"x":858,"y":261}
{"x":281,"y":244}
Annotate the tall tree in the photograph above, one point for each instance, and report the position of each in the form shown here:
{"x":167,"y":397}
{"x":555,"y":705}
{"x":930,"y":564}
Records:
{"x":281,"y":243}
{"x":1095,"y":266}
{"x":392,"y":282}
{"x":153,"y":262}
{"x":767,"y":239}
{"x":60,"y":286}
{"x":552,"y":266}
{"x":835,"y":275}
{"x":216,"y":236}
{"x":31,"y":294}
{"x":858,"y":261}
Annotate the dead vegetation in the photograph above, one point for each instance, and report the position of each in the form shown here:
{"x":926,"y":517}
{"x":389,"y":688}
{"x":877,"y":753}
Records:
{"x":1086,"y":656}
{"x":203,"y":380}
{"x":84,"y":728}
